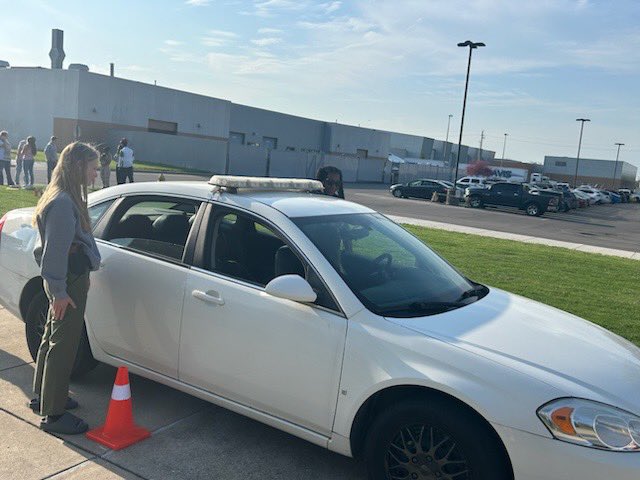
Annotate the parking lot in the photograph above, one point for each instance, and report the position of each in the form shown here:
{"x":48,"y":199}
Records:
{"x":613,"y":226}
{"x":190,"y":438}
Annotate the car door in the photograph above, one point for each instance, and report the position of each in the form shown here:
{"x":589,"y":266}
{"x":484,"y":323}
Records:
{"x":274,"y":355}
{"x":413,"y":188}
{"x":512,"y":194}
{"x":135,"y":302}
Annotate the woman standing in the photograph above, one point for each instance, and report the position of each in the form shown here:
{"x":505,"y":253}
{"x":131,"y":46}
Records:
{"x":66,"y":254}
{"x":28,"y":155}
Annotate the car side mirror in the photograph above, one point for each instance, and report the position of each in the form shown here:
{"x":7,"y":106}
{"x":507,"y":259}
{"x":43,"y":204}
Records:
{"x":291,"y":287}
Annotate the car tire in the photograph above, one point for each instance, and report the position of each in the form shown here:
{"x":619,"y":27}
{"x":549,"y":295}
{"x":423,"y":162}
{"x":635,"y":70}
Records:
{"x":533,"y":209}
{"x":453,"y":440}
{"x":475,"y":202}
{"x":397,"y":193}
{"x":34,"y":329}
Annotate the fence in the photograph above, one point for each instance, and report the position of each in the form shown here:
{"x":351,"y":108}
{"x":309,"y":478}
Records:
{"x":218,"y":156}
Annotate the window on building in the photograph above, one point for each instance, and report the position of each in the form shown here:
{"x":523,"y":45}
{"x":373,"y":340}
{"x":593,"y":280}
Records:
{"x":159,"y":126}
{"x":236,"y":137}
{"x":360,"y":153}
{"x":560,"y":164}
{"x":290,"y":149}
{"x":270,"y":143}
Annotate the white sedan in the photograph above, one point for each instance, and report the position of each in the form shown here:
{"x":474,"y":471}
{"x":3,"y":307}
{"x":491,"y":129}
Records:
{"x":325,"y":319}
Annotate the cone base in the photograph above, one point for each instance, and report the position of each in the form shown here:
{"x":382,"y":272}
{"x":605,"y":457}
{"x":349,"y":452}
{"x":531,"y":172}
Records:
{"x":122,"y":440}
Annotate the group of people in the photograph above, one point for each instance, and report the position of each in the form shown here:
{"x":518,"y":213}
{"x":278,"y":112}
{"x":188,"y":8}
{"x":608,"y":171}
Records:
{"x":25,"y":158}
{"x":27,"y":150}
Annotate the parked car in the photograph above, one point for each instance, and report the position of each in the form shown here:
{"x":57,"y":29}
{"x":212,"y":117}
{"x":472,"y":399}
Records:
{"x":478,"y":182}
{"x":422,"y":188}
{"x":625,"y":194}
{"x":634,"y":197}
{"x":515,"y":195}
{"x":606,"y":197}
{"x":615,"y":197}
{"x":327,"y":320}
{"x":566,"y":201}
{"x":584,"y":200}
{"x":449,"y":185}
{"x":593,"y":193}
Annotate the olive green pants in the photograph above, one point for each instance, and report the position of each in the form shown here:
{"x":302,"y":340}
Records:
{"x":58,"y":348}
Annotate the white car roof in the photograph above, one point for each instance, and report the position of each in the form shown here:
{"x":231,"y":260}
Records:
{"x":290,"y":203}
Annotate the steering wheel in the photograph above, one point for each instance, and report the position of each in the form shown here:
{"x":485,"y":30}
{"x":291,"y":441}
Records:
{"x":383,"y":265}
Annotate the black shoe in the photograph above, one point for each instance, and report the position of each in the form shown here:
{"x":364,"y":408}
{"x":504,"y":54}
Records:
{"x":34,"y":404}
{"x":66,"y":424}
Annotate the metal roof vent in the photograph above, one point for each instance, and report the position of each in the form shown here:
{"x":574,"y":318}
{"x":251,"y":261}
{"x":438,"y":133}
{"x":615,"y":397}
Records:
{"x":78,"y":66}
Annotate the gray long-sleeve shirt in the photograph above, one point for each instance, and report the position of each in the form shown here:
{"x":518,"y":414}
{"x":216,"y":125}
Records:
{"x":51,"y":153}
{"x":60,"y":227}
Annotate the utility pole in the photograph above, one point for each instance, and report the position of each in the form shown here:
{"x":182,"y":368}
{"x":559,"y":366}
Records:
{"x":575,"y":177}
{"x":615,"y":169}
{"x":481,"y":142}
{"x":504,"y":147}
{"x":446,"y":142}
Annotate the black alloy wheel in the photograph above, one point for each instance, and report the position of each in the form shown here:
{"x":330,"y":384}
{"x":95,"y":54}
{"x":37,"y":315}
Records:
{"x":435,"y":439}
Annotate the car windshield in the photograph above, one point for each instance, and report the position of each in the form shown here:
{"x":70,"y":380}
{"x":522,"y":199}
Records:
{"x":392,"y":272}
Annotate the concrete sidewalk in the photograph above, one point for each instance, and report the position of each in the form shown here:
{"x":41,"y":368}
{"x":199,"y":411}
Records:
{"x":612,"y":252}
{"x":191,"y":439}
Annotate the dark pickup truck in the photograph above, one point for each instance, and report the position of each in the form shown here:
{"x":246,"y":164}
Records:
{"x":515,"y":195}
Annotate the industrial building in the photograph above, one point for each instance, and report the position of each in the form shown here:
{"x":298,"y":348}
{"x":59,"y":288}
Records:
{"x":604,"y":173}
{"x":173,"y":127}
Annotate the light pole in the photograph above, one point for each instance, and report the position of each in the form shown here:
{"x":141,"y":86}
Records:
{"x":575,"y":177}
{"x":504,"y":147}
{"x":615,"y":169}
{"x":444,"y":150}
{"x":472,"y":46}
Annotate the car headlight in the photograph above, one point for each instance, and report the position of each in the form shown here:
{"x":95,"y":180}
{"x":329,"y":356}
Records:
{"x":592,"y":424}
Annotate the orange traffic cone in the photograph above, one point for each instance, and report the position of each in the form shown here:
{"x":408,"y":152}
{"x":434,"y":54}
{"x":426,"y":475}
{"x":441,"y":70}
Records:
{"x":119,"y":431}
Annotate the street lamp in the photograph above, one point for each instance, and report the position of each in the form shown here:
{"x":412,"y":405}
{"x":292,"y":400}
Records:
{"x":504,"y":147}
{"x":615,"y":169}
{"x":472,"y":46}
{"x":575,"y":177}
{"x":444,"y":150}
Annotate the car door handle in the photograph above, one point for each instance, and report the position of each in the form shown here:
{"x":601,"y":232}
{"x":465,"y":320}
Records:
{"x":208,"y":297}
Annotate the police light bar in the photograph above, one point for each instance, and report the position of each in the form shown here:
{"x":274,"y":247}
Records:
{"x":232,"y":183}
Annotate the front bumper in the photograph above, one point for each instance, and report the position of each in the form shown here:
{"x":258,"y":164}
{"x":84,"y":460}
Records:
{"x":543,"y":458}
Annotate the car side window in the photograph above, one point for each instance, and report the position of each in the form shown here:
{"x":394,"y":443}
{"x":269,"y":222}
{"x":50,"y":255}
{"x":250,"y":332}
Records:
{"x":246,"y":249}
{"x":415,"y":183}
{"x":158,"y":226}
{"x":97,"y":211}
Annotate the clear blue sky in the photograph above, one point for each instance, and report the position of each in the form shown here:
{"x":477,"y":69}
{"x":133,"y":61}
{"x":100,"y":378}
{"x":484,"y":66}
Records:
{"x":390,"y":64}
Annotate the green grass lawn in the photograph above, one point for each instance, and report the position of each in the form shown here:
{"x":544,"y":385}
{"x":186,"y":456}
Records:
{"x":601,"y":289}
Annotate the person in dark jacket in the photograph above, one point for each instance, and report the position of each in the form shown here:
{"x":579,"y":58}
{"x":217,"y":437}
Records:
{"x":331,"y":178}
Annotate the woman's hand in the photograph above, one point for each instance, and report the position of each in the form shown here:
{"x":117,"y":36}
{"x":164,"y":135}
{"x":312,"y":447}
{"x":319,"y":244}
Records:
{"x":60,"y":307}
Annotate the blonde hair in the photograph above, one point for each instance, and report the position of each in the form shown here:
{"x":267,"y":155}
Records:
{"x":70,"y":176}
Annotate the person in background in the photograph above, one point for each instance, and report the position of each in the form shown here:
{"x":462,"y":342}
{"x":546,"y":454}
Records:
{"x":66,"y":252}
{"x":331,"y":178}
{"x":125,"y":160}
{"x":5,"y":158}
{"x":51,"y":154}
{"x":116,"y":157}
{"x":21,"y":144}
{"x":28,"y":155}
{"x":105,"y":165}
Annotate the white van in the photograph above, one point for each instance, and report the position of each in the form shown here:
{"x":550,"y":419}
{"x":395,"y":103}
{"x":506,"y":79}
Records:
{"x":465,"y":182}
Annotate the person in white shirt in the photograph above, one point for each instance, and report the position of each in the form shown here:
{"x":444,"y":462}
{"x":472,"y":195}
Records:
{"x":124,"y":159}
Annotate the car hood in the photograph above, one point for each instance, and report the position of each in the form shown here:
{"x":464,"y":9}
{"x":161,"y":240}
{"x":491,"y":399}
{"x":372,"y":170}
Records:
{"x":578,"y":357}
